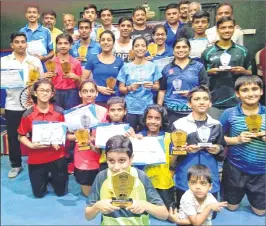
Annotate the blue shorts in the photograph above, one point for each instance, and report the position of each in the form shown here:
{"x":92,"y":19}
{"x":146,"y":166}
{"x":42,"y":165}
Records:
{"x":67,"y":98}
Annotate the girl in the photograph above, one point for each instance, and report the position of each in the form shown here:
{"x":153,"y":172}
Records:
{"x":65,"y":84}
{"x":155,"y":124}
{"x":179,"y":77}
{"x":104,"y":66}
{"x":137,"y":81}
{"x":43,"y":159}
{"x":86,"y":162}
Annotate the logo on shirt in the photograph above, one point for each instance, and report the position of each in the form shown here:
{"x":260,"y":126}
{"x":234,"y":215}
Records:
{"x":171,"y":71}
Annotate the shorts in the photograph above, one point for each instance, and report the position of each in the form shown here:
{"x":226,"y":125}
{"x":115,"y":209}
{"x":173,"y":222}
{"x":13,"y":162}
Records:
{"x":167,"y":196}
{"x":236,"y":184}
{"x":38,"y":174}
{"x":135,"y":121}
{"x":67,"y":99}
{"x":85,"y":177}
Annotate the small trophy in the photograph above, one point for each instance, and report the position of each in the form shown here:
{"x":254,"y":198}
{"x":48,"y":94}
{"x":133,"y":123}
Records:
{"x":225,"y":60}
{"x":50,"y":66}
{"x":100,"y":30}
{"x":123,"y":183}
{"x":83,"y":134}
{"x":254,"y":123}
{"x":111,"y":82}
{"x":34,"y":75}
{"x":66,"y":67}
{"x":179,"y":139}
{"x":204,"y":134}
{"x":82,"y":50}
{"x":177,"y":83}
{"x":131,"y":55}
{"x":153,"y":49}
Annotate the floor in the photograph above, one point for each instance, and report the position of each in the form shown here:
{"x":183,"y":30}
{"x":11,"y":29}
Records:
{"x":19,"y":207}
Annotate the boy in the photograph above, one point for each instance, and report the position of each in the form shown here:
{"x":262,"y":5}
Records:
{"x":197,"y":203}
{"x":244,"y":167}
{"x":194,"y":125}
{"x":146,"y":200}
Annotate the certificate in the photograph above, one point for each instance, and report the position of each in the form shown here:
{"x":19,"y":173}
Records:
{"x":48,"y":133}
{"x":105,"y":131}
{"x":12,"y":78}
{"x":81,"y":117}
{"x":148,"y":151}
{"x":36,"y":47}
{"x":161,"y":63}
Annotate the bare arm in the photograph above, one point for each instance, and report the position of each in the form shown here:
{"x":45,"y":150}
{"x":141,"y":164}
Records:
{"x":24,"y":140}
{"x":159,"y":212}
{"x":86,"y":75}
{"x":160,"y":97}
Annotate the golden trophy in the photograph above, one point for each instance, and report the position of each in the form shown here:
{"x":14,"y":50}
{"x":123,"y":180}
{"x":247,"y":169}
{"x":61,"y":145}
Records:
{"x":100,"y":30}
{"x":123,"y":183}
{"x":131,"y":55}
{"x":179,"y":139}
{"x":254,"y":123}
{"x":82,"y":50}
{"x":111,"y":82}
{"x":34,"y":75}
{"x":83,"y":136}
{"x":153,"y":49}
{"x":66,"y":67}
{"x":50,"y":66}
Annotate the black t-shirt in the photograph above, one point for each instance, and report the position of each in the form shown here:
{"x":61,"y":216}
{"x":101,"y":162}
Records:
{"x":146,"y":33}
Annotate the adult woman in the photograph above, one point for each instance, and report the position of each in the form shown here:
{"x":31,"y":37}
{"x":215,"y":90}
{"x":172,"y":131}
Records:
{"x":137,"y":81}
{"x":179,"y":77}
{"x":104,"y":66}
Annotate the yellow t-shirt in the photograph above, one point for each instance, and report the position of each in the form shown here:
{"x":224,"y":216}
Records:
{"x":54,"y":34}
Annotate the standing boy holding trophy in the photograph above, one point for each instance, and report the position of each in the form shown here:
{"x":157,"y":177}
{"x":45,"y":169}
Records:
{"x":123,"y":194}
{"x":244,"y":127}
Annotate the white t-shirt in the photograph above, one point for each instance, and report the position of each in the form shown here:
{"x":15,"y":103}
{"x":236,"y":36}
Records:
{"x":10,"y":62}
{"x":197,"y":47}
{"x":122,"y":51}
{"x":189,"y":206}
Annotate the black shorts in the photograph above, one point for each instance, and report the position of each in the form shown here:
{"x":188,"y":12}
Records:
{"x":38,"y":174}
{"x":85,"y":177}
{"x":236,"y":184}
{"x":168,"y":196}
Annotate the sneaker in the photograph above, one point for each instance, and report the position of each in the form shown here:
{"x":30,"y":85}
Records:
{"x":14,"y":172}
{"x":70,"y":168}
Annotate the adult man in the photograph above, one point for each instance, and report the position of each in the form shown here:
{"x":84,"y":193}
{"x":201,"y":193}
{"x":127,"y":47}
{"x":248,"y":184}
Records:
{"x":84,"y":29}
{"x":38,"y":37}
{"x":106,"y":15}
{"x":49,"y":21}
{"x":183,"y":9}
{"x":69,"y":26}
{"x":224,"y":9}
{"x":19,"y":59}
{"x":140,"y":28}
{"x":173,"y":25}
{"x":225,"y":62}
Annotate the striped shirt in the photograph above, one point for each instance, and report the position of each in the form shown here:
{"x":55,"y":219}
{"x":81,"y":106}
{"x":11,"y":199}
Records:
{"x":248,"y":157}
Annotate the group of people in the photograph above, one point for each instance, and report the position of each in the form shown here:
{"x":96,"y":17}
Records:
{"x":198,"y":79}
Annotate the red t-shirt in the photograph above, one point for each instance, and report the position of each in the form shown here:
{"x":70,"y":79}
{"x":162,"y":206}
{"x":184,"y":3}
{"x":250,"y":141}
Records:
{"x":66,"y":83}
{"x":44,"y":155}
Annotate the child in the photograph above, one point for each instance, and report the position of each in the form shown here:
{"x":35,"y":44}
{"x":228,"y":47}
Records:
{"x":146,"y":200}
{"x":155,"y":124}
{"x":86,"y":162}
{"x":193,"y":125}
{"x":197,"y":203}
{"x":244,"y":167}
{"x":43,"y":159}
{"x":65,"y":84}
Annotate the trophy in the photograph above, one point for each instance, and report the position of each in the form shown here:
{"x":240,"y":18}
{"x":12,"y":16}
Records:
{"x":179,"y":139}
{"x":50,"y":66}
{"x":123,"y":183}
{"x":254,"y":123}
{"x":204,"y":134}
{"x":33,"y":75}
{"x":177,"y":83}
{"x":111,"y":82}
{"x":66,"y":67}
{"x":131,"y":55}
{"x":225,"y":60}
{"x":83,"y":134}
{"x":153,"y":49}
{"x":82,"y":50}
{"x":100,"y":30}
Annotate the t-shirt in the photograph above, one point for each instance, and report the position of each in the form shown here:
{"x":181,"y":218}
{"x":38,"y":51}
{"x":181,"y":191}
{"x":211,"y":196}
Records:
{"x":122,"y":51}
{"x":189,"y":206}
{"x":198,"y":45}
{"x":101,"y":72}
{"x":142,"y":190}
{"x":44,"y":155}
{"x":172,"y":35}
{"x":146,"y":33}
{"x":137,"y":101}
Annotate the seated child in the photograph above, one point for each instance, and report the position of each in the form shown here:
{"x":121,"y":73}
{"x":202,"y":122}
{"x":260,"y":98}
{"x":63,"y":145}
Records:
{"x":146,"y":200}
{"x":197,"y":203}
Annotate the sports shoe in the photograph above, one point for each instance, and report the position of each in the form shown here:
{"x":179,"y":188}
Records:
{"x":70,"y":168}
{"x":14,"y":172}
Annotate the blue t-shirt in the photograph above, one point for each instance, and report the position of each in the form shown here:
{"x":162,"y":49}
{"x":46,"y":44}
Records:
{"x":93,"y":49}
{"x":137,"y":101}
{"x":171,"y":36}
{"x":247,"y":157}
{"x":101,"y":72}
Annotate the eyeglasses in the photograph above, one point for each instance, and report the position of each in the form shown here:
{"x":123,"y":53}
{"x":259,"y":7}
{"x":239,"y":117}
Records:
{"x":158,"y":35}
{"x":44,"y":90}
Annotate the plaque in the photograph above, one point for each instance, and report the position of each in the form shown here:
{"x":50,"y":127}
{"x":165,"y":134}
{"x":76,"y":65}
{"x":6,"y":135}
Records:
{"x":66,"y":67}
{"x":123,"y":184}
{"x":100,"y":30}
{"x":111,"y":82}
{"x":33,"y":76}
{"x":225,"y":60}
{"x":82,"y":137}
{"x":179,"y":139}
{"x":254,"y":123}
{"x":50,"y":66}
{"x":82,"y":50}
{"x":204,"y":134}
{"x":153,"y":49}
{"x":177,"y":84}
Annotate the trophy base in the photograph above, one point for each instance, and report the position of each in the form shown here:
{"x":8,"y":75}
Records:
{"x":121,"y":203}
{"x":225,"y":67}
{"x":205,"y":145}
{"x":179,"y":91}
{"x":179,"y":151}
{"x":84,"y":147}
